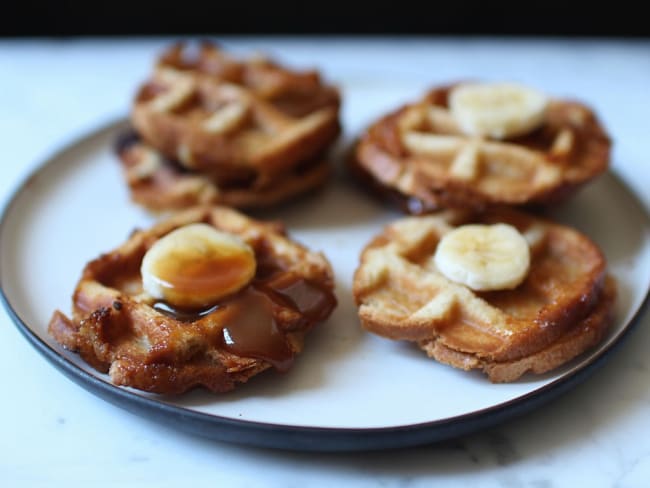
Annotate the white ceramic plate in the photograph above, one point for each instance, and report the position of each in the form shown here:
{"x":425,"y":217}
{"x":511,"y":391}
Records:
{"x":349,"y":389}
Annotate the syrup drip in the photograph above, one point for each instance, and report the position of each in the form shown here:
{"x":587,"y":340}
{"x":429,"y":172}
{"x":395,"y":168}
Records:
{"x":267,"y":265}
{"x":184,"y":315}
{"x":309,"y":299}
{"x":251,"y":330}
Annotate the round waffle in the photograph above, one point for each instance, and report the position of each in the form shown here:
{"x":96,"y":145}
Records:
{"x":118,"y":328}
{"x":420,"y":156}
{"x":561,"y":309}
{"x":159,"y":183}
{"x":217,"y":114}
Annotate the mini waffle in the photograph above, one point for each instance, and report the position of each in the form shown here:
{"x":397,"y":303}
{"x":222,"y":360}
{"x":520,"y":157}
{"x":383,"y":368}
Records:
{"x":117,"y":328}
{"x":419,"y":155}
{"x":561,"y":309}
{"x":159,"y":183}
{"x":227,"y":117}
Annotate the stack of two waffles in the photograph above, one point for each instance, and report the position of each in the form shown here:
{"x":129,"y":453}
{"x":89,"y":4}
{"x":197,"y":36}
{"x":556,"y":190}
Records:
{"x":212,"y":129}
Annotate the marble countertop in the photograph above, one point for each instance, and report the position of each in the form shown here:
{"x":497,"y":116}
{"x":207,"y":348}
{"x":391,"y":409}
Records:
{"x":55,"y":433}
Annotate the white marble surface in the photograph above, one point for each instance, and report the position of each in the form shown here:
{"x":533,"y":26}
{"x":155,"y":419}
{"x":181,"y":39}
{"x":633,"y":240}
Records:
{"x":54,"y":433}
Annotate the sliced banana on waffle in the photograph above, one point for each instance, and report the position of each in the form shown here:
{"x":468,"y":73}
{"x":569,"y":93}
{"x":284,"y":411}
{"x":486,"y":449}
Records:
{"x":484,"y":257}
{"x":497,"y":110}
{"x":196,"y":265}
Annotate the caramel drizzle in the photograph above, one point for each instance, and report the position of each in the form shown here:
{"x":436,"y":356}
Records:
{"x":250,"y":328}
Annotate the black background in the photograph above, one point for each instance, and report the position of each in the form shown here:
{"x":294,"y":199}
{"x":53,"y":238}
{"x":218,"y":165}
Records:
{"x":451,"y":17}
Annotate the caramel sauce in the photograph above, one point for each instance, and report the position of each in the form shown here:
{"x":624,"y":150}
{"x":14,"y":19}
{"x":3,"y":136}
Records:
{"x":182,"y":314}
{"x":310,"y":299}
{"x":267,"y":264}
{"x":203,"y":275}
{"x":249,"y":324}
{"x":251,"y":330}
{"x":266,"y":268}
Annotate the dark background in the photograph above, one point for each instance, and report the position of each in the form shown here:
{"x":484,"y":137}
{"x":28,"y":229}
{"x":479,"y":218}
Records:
{"x":449,"y":17}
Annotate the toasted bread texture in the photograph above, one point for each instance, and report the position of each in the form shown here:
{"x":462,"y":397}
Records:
{"x":420,"y":153}
{"x":213,"y":113}
{"x":562,"y":308}
{"x":158,"y":183}
{"x":141,"y":342}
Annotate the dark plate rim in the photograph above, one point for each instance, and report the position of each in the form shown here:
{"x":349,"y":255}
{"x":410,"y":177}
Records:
{"x":295,"y":437}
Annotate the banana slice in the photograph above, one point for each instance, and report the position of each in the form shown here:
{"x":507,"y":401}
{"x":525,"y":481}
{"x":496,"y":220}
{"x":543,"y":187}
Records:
{"x":484,"y":257}
{"x":196,"y":265}
{"x":497,"y":110}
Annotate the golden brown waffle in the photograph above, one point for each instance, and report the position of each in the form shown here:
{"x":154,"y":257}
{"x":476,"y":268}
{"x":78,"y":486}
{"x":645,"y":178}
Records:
{"x":227,"y":117}
{"x":561,"y":309}
{"x":420,"y":154}
{"x":117,"y":328}
{"x":158,"y":183}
